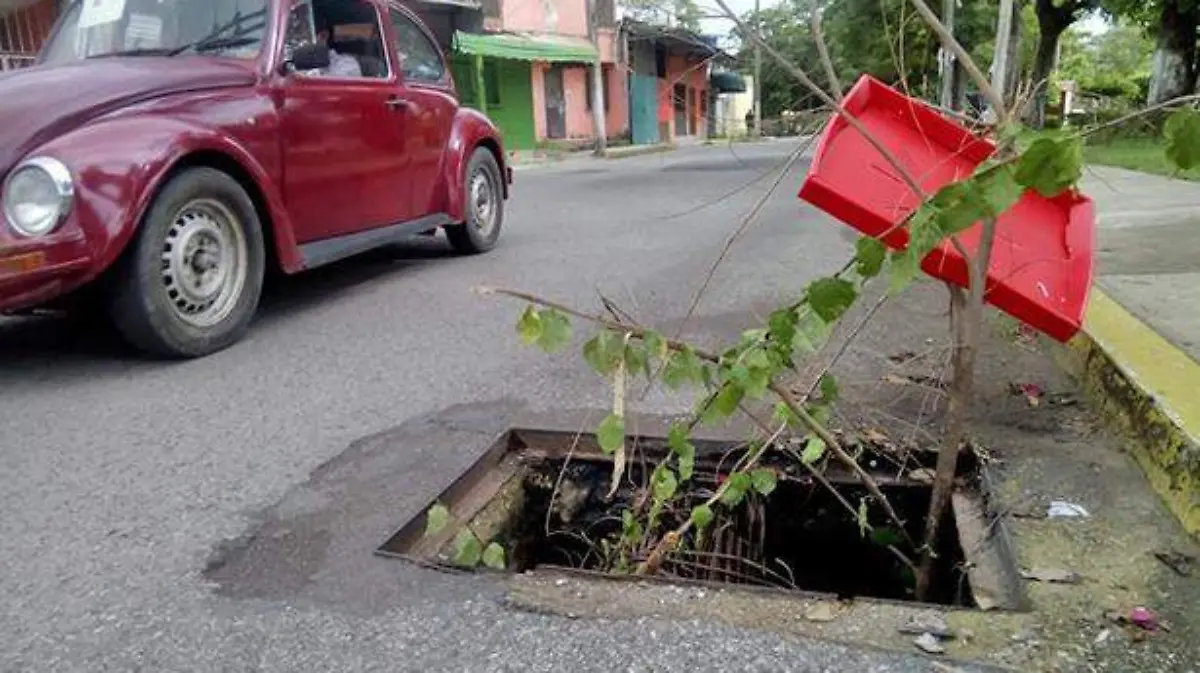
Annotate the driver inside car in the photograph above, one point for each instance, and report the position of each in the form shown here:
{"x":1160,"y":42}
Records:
{"x":340,"y":65}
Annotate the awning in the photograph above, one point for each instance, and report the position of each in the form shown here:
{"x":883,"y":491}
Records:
{"x":526,"y":47}
{"x":728,"y":81}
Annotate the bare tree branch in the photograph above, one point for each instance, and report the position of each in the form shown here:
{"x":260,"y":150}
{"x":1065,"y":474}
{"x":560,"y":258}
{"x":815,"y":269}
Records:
{"x":823,"y":51}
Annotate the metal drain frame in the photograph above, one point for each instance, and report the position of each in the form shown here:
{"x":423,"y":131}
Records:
{"x":986,"y":541}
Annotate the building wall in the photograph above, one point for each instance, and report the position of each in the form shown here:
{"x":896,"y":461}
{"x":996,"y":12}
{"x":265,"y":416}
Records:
{"x":616,"y":117}
{"x":579,"y":117}
{"x":538,"y":84}
{"x":568,"y":18}
{"x":514,"y":113}
{"x":564,"y":17}
{"x":732,"y":109}
{"x":693,"y":73}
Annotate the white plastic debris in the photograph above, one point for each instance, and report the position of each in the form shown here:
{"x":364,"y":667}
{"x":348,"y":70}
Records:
{"x":927,"y":642}
{"x":1062,"y":508}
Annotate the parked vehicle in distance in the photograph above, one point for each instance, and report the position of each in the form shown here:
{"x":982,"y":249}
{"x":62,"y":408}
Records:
{"x":162,"y":156}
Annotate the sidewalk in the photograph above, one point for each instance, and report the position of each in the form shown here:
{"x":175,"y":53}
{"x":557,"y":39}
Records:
{"x":1140,"y":357}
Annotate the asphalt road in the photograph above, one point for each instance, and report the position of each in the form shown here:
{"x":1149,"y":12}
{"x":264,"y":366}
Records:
{"x":122,"y":476}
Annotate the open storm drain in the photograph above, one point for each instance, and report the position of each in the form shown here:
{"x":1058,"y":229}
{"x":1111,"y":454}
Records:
{"x":544,"y":498}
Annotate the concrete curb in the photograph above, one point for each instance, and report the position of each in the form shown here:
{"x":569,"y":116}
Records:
{"x":1149,"y":390}
{"x":638,"y":150}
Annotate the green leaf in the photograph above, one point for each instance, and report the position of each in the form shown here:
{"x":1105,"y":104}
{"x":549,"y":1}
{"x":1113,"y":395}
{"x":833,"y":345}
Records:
{"x":784,"y":414}
{"x":635,"y":358}
{"x":902,"y":270}
{"x":957,"y":208}
{"x":467,"y":549}
{"x":831,"y":297}
{"x":529,"y":326}
{"x":656,"y":345}
{"x":702,"y":516}
{"x":724,"y":403}
{"x":869,"y":254}
{"x":493,"y":557}
{"x":1051,"y":165}
{"x":631,"y":528}
{"x":611,"y":434}
{"x":781,"y":325}
{"x":556,"y":331}
{"x":885,"y":536}
{"x":665,"y":484}
{"x":737,"y":485}
{"x":603,"y":352}
{"x":821,"y":413}
{"x":925,"y":232}
{"x":436,"y":519}
{"x":811,"y":333}
{"x":864,"y":526}
{"x":764,"y":480}
{"x":829,"y":388}
{"x":684,"y":450}
{"x":1182,"y":132}
{"x":998,"y":189}
{"x":813,"y":450}
{"x":683,"y":367}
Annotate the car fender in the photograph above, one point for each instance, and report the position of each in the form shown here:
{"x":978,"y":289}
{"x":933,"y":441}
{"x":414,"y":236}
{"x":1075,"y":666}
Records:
{"x":469,"y":131}
{"x":120,"y":164}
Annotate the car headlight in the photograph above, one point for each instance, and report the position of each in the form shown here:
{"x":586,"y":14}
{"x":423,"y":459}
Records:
{"x":37,"y":195}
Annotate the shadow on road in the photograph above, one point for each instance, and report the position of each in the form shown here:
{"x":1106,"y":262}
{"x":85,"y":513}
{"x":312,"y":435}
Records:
{"x":56,"y":341}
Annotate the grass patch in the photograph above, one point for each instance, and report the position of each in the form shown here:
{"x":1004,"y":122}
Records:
{"x":1138,"y":154}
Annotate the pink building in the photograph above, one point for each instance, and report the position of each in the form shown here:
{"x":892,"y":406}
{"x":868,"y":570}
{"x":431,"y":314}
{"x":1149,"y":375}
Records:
{"x":530,"y":69}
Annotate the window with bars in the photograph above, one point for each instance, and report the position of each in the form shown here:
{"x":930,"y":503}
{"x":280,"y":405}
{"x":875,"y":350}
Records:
{"x":22,"y":31}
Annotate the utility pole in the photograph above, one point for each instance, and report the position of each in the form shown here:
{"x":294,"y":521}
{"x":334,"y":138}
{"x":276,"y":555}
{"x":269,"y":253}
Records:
{"x":949,"y":65}
{"x":757,"y":70}
{"x":1000,"y":59}
{"x":598,"y":94}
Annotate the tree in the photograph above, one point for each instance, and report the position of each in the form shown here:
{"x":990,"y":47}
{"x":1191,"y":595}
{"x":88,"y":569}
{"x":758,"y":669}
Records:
{"x":1115,"y":63}
{"x":1054,"y":18}
{"x":1174,"y":71}
{"x":1174,"y":24}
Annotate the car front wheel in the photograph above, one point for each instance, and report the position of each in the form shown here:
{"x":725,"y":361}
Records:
{"x":484,"y":206}
{"x":190,"y":283}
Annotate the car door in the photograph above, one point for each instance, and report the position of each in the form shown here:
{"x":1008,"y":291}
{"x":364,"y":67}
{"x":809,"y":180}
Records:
{"x":343,"y":150}
{"x":429,"y":106}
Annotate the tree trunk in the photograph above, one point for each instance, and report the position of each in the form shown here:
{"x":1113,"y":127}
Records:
{"x":1174,"y":61}
{"x":1043,"y":67}
{"x":1012,"y":79}
{"x":1053,"y":21}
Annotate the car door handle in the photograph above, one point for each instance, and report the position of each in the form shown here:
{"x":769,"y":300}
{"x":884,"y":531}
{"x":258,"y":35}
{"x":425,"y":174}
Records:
{"x":398,"y":103}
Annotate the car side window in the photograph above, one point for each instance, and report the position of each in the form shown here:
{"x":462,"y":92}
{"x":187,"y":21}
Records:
{"x":420,"y":58}
{"x":355,"y":39}
{"x":299,"y":28}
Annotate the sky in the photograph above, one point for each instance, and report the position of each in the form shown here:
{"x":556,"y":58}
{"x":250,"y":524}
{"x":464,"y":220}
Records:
{"x":721,"y":26}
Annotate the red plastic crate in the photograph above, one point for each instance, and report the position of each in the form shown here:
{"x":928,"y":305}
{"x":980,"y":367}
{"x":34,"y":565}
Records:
{"x":1041,"y":267}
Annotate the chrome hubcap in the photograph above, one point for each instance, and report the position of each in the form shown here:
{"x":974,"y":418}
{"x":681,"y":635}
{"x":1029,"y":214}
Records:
{"x":204,"y":261}
{"x":483,"y":201}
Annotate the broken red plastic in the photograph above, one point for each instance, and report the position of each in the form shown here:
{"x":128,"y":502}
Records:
{"x":1041,"y":267}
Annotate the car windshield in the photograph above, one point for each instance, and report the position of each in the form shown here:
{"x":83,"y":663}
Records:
{"x":100,"y":28}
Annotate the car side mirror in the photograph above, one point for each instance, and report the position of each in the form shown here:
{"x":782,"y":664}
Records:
{"x":310,"y":57}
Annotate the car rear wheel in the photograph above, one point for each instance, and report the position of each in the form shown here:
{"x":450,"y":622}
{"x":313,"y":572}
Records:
{"x":484,"y":206}
{"x":190,"y":283}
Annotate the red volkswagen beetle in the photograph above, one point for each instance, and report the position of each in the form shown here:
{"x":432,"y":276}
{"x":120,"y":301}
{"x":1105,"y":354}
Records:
{"x":164,"y":154}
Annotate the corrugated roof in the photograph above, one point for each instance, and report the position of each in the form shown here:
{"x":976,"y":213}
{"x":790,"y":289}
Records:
{"x":526,"y":47}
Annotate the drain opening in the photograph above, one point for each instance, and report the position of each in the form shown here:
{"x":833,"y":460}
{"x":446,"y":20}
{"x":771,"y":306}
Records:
{"x":548,"y":510}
